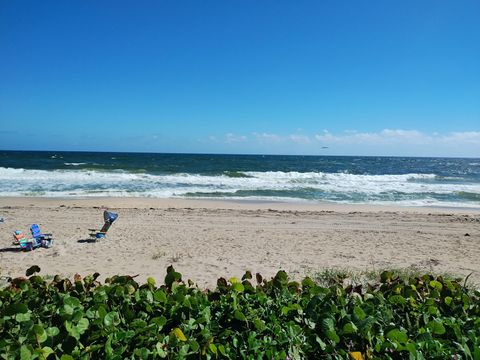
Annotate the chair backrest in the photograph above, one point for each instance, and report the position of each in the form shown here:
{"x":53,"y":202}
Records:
{"x":18,"y":235}
{"x":109,"y":218}
{"x":35,"y":229}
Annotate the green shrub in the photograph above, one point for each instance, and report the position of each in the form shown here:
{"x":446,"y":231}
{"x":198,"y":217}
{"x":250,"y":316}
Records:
{"x":423,"y":317}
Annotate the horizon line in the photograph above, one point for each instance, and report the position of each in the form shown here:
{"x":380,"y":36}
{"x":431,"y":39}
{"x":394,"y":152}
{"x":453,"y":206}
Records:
{"x":239,"y":154}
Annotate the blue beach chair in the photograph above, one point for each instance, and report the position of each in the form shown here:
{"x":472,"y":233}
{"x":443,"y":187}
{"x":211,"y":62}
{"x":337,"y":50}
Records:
{"x":109,"y":218}
{"x":44,"y":240}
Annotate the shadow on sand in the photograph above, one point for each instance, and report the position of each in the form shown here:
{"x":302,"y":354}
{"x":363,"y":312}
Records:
{"x":10,"y":249}
{"x":88,"y":241}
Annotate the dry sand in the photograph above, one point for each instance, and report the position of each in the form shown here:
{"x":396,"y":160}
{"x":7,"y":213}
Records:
{"x":205,"y":240}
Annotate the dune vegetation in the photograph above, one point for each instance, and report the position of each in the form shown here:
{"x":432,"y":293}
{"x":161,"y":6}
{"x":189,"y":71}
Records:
{"x":394,"y":317}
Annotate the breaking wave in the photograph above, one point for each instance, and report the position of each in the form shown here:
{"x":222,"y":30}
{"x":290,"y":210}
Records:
{"x":408,"y":189}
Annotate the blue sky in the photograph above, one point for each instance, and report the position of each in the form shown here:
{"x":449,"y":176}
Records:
{"x":278,"y":77}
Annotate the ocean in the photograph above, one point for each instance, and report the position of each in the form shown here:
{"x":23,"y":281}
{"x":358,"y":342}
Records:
{"x":450,"y":182}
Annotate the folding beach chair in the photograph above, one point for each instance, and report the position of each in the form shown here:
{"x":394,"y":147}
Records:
{"x":109,"y":218}
{"x":20,"y":240}
{"x":44,"y":240}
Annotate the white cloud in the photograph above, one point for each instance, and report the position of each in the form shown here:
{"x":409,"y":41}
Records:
{"x":268,"y":138}
{"x":300,"y":139}
{"x":406,"y":142}
{"x":383,"y":137}
{"x":470,"y":137}
{"x":232,"y":138}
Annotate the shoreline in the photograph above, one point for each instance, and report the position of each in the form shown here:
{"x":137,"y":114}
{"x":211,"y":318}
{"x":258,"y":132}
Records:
{"x":146,"y":202}
{"x":208,"y":239}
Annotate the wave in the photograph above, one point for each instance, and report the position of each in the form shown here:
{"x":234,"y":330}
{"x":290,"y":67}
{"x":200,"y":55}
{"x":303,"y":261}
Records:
{"x":315,"y":186}
{"x":469,"y":195}
{"x":74,"y":164}
{"x":236,"y":174}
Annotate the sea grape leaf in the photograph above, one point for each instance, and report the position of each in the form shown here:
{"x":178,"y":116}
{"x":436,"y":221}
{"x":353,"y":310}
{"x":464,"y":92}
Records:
{"x":45,"y":352}
{"x":213,"y":348}
{"x":149,"y":296}
{"x":397,"y":335}
{"x":307,"y":282}
{"x":138,"y":324}
{"x":72,"y":301}
{"x":328,"y":324}
{"x":332,"y":335}
{"x":349,"y":328}
{"x":436,"y":327}
{"x":281,"y":277}
{"x":82,"y":325}
{"x":111,"y":318}
{"x":108,"y":346}
{"x":238,"y":287}
{"x":194,"y":346}
{"x":411,"y":347}
{"x":359,"y":313}
{"x":436,"y":285}
{"x":247,"y":275}
{"x":239,"y":315}
{"x":32,"y":270}
{"x":160,"y":296}
{"x":386,"y":276}
{"x":160,"y":321}
{"x":15,"y":308}
{"x":40,"y":333}
{"x":397,"y":300}
{"x":171,"y":277}
{"x":179,"y":334}
{"x":322,"y":344}
{"x":356,"y":355}
{"x":433,"y":310}
{"x":259,"y":324}
{"x":23,"y":317}
{"x":52,"y":331}
{"x":221,"y":349}
{"x":25,"y":353}
{"x":72,"y":330}
{"x":160,"y":350}
{"x":130,"y":289}
{"x":67,"y":310}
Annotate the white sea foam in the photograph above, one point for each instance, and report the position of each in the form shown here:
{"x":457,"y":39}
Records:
{"x":74,"y":164}
{"x":418,"y":188}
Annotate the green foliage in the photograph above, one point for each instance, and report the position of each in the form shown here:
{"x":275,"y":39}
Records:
{"x":421,"y":317}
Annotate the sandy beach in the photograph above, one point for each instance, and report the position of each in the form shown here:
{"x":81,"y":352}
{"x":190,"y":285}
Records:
{"x":205,"y":240}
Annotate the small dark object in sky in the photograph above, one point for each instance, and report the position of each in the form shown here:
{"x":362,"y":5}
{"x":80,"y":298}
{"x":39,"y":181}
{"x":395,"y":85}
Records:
{"x":466,"y":234}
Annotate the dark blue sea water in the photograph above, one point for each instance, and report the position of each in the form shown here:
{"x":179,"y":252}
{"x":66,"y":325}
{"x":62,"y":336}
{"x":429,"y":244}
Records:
{"x":379,"y":180}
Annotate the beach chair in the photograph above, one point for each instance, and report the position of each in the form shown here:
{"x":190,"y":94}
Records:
{"x":20,"y":240}
{"x":44,"y":240}
{"x":109,"y":218}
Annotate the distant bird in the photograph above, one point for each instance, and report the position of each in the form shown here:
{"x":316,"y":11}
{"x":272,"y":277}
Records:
{"x":324,"y":147}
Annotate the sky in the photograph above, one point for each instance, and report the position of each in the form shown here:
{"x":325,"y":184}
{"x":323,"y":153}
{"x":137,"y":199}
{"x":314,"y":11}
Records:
{"x":253,"y":77}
